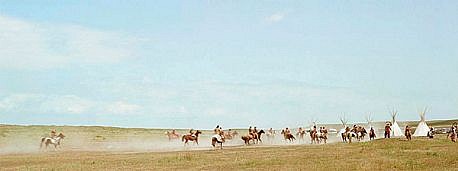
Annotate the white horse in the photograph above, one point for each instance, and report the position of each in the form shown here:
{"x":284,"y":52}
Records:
{"x":218,"y":139}
{"x":270,"y":135}
{"x":54,"y":141}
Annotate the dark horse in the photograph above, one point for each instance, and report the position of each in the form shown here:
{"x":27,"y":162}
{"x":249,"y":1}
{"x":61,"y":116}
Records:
{"x":288,"y":136}
{"x":372,"y":134}
{"x":194,"y":137}
{"x":255,"y":138}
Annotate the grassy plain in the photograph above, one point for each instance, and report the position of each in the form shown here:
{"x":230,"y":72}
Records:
{"x":88,"y":150}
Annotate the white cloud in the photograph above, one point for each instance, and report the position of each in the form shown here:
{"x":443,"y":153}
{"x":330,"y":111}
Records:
{"x":28,"y":45}
{"x":63,"y":104}
{"x":66,"y":104}
{"x":17,"y":102}
{"x":275,"y":17}
{"x":121,"y":107}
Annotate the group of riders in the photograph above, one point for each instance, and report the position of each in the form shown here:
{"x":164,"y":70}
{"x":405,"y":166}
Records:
{"x":316,"y":135}
{"x":358,"y":132}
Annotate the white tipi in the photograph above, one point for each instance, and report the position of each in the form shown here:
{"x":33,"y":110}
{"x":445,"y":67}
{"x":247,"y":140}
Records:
{"x":395,"y":130}
{"x":422,"y":128}
{"x":369,"y":124}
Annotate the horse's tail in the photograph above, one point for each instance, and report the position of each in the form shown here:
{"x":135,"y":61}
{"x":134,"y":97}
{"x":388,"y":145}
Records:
{"x":182,"y":138}
{"x":42,"y":141}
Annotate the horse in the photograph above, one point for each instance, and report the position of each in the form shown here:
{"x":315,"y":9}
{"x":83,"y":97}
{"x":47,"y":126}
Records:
{"x":54,"y":141}
{"x":194,"y":138}
{"x":288,"y":136}
{"x":314,"y":137}
{"x":218,"y":138}
{"x":172,"y":135}
{"x":255,"y":137}
{"x":343,"y":134}
{"x":247,"y":138}
{"x":235,"y":134}
{"x":270,"y":135}
{"x":347,"y":135}
{"x":363,"y":133}
{"x":300,"y":134}
{"x":230,"y":135}
{"x":351,"y":135}
{"x":258,"y":137}
{"x":372,"y":134}
{"x":322,"y":136}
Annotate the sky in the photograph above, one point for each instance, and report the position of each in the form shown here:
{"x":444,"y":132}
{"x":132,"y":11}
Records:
{"x":196,"y":64}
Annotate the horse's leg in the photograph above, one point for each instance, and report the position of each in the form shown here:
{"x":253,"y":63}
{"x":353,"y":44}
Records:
{"x":42,"y":141}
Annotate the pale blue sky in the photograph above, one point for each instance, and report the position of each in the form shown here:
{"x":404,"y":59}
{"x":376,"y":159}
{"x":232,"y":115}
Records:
{"x":235,"y":63}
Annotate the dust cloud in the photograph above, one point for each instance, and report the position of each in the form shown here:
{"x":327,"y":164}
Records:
{"x":27,"y":139}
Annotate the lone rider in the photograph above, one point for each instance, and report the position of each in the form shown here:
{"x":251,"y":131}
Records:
{"x":53,"y":133}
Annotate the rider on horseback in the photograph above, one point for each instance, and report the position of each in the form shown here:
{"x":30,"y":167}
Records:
{"x":217,"y":130}
{"x":53,"y":134}
{"x":325,"y":131}
{"x":251,"y":132}
{"x":287,"y":131}
{"x":191,"y":132}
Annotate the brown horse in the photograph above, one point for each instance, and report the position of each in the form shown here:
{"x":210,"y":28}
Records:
{"x":363,"y":133}
{"x":194,"y":137}
{"x":230,"y":135}
{"x":218,"y":138}
{"x":172,"y":135}
{"x":372,"y":134}
{"x":247,"y":139}
{"x":255,"y":137}
{"x":288,"y":136}
{"x":314,"y":137}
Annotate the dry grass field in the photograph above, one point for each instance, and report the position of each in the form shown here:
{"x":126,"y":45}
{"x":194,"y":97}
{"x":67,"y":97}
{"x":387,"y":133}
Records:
{"x":383,"y":154}
{"x":109,"y":148}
